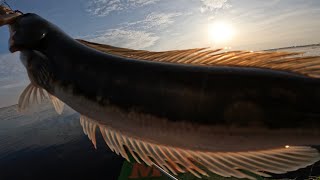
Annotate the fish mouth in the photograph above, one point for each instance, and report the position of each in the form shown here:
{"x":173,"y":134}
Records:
{"x":12,"y":46}
{"x":13,"y":49}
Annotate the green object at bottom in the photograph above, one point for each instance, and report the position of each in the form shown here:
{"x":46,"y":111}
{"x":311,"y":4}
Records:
{"x":135,"y":171}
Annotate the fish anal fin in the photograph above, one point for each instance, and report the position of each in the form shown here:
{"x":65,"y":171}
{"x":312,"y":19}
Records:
{"x":89,"y":129}
{"x":200,"y":163}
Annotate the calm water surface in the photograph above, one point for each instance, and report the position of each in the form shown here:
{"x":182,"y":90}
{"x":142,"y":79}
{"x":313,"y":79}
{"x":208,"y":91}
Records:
{"x":44,"y":145}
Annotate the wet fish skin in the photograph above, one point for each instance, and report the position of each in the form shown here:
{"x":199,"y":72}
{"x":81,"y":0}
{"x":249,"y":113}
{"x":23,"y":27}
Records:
{"x":199,"y":94}
{"x":240,"y":117}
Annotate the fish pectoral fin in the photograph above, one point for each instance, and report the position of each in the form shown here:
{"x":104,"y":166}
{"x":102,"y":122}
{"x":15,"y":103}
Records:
{"x":57,"y":103}
{"x":34,"y":95}
{"x":31,"y":95}
{"x":228,"y":164}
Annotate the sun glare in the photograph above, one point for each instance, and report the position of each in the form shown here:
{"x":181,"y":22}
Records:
{"x":220,"y":32}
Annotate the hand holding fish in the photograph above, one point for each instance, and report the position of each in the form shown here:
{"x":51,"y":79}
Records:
{"x":7,"y":16}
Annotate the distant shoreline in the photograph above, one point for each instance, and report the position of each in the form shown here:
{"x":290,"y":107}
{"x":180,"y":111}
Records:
{"x":291,"y":47}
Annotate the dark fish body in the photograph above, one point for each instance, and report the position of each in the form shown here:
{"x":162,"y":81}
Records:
{"x":200,"y":94}
{"x":205,"y":95}
{"x":192,"y":107}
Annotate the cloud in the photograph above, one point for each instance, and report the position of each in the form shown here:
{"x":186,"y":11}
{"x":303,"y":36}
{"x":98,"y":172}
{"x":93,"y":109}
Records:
{"x":212,"y":5}
{"x":154,"y":20}
{"x":127,"y":38}
{"x":105,"y":7}
{"x":138,"y":34}
{"x":11,"y":67}
{"x":13,"y":78}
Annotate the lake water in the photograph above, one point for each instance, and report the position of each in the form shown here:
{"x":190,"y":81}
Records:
{"x":45,"y":145}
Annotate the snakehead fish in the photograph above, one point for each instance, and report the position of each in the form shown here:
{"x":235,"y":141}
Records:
{"x":200,"y":110}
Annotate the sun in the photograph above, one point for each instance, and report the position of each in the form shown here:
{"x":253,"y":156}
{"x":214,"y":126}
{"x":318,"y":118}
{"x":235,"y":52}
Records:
{"x":220,"y":32}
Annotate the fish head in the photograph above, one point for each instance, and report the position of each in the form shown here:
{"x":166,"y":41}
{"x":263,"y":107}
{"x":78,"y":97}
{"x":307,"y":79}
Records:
{"x":27,"y":32}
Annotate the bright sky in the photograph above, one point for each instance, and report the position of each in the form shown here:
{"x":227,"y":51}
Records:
{"x":172,"y":24}
{"x":167,"y":24}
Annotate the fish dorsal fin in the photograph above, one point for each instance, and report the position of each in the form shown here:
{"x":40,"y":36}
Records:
{"x":283,"y":61}
{"x":58,"y":105}
{"x":200,"y":163}
{"x":34,"y":95}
